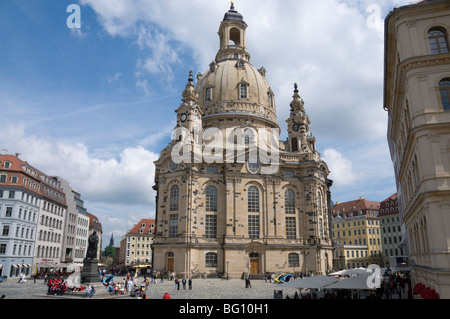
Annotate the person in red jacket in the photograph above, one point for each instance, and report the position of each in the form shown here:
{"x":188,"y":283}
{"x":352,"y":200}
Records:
{"x":166,"y":295}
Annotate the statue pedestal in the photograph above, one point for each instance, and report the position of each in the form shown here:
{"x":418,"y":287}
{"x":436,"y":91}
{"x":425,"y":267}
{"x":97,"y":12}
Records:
{"x":89,"y":273}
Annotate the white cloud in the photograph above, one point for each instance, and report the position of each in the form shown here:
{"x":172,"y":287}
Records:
{"x":126,"y":180}
{"x":114,"y":78}
{"x":342,"y":172}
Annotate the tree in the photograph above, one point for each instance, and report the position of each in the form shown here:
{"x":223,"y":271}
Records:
{"x":109,"y":251}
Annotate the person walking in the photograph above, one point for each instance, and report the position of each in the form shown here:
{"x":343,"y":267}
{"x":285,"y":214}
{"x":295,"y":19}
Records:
{"x":247,"y":283}
{"x":147,"y":282}
{"x":177,"y":283}
{"x":190,"y":284}
{"x":166,"y":295}
{"x":184,"y":283}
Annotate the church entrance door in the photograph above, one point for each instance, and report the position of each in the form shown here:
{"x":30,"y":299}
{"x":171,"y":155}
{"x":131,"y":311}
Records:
{"x":254,"y":263}
{"x":170,"y":258}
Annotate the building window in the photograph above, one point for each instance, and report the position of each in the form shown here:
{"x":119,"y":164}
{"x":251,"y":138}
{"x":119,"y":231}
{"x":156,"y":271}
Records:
{"x":253,"y":167}
{"x":291,"y":230}
{"x":9,"y":212}
{"x":212,"y":170}
{"x":294,"y":260}
{"x":173,"y":166}
{"x":289,"y":202}
{"x":253,"y":226}
{"x":5,"y":231}
{"x":211,"y":260}
{"x":288,"y":173}
{"x":173,"y":225}
{"x":271,"y":99}
{"x":174,"y":197}
{"x":208,"y":94}
{"x":249,"y":136}
{"x":211,"y":226}
{"x":243,"y":91}
{"x":444,"y":88}
{"x":3,"y":178}
{"x":438,"y":41}
{"x":294,"y":145}
{"x":253,"y":199}
{"x":211,"y":199}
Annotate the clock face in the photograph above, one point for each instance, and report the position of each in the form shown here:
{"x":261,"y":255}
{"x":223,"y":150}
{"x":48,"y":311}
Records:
{"x":295,"y":127}
{"x":183,"y":117}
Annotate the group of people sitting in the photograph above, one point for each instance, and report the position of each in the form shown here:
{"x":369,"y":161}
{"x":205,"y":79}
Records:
{"x":57,"y":287}
{"x":116,"y":289}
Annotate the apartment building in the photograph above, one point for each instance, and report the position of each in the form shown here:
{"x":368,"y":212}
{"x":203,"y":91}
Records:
{"x":356,"y":234}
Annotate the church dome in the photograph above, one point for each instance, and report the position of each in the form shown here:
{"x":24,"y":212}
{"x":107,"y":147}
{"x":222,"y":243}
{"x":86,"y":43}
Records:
{"x":235,"y":87}
{"x":233,"y":14}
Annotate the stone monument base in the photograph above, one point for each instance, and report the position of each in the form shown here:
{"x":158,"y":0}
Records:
{"x":89,"y":273}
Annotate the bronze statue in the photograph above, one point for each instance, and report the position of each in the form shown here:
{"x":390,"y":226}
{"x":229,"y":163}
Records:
{"x":92,"y":246}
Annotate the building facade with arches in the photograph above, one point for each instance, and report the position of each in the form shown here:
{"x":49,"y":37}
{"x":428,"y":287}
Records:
{"x":236,"y":213}
{"x":416,"y":97}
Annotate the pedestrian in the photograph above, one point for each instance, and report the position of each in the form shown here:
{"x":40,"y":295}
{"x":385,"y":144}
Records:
{"x":130,"y":285}
{"x":184,"y":283}
{"x":166,"y":295}
{"x":147,"y":282}
{"x":22,"y":277}
{"x":162,"y":277}
{"x":190,"y":284}
{"x":177,"y":283}
{"x":88,"y":291}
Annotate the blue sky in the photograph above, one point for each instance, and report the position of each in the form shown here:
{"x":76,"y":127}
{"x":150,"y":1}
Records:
{"x":96,"y":105}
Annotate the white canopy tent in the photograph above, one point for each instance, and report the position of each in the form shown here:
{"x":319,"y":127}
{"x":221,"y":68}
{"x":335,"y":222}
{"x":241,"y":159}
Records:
{"x":350,"y":272}
{"x":313,"y":282}
{"x":360,"y":282}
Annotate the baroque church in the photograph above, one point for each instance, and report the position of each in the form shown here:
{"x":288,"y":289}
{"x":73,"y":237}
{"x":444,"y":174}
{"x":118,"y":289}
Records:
{"x":227,"y":214}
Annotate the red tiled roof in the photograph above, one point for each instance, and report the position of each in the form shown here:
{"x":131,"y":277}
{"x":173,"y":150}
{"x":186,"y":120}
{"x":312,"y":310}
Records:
{"x":17,"y":166}
{"x":386,"y":204}
{"x":355,"y":206}
{"x":138,"y":229}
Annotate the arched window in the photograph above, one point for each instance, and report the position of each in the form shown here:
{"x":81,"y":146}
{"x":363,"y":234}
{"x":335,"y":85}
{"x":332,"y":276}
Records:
{"x":249,"y":136}
{"x":211,"y":199}
{"x":289,"y":202}
{"x":294,"y":145}
{"x":243,"y":94}
{"x":235,"y":36}
{"x":253,"y":167}
{"x":211,"y":260}
{"x":438,"y":40}
{"x":208,"y":94}
{"x":319,"y":213}
{"x":294,"y":260}
{"x":253,"y":199}
{"x":444,"y":88}
{"x":174,"y":197}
